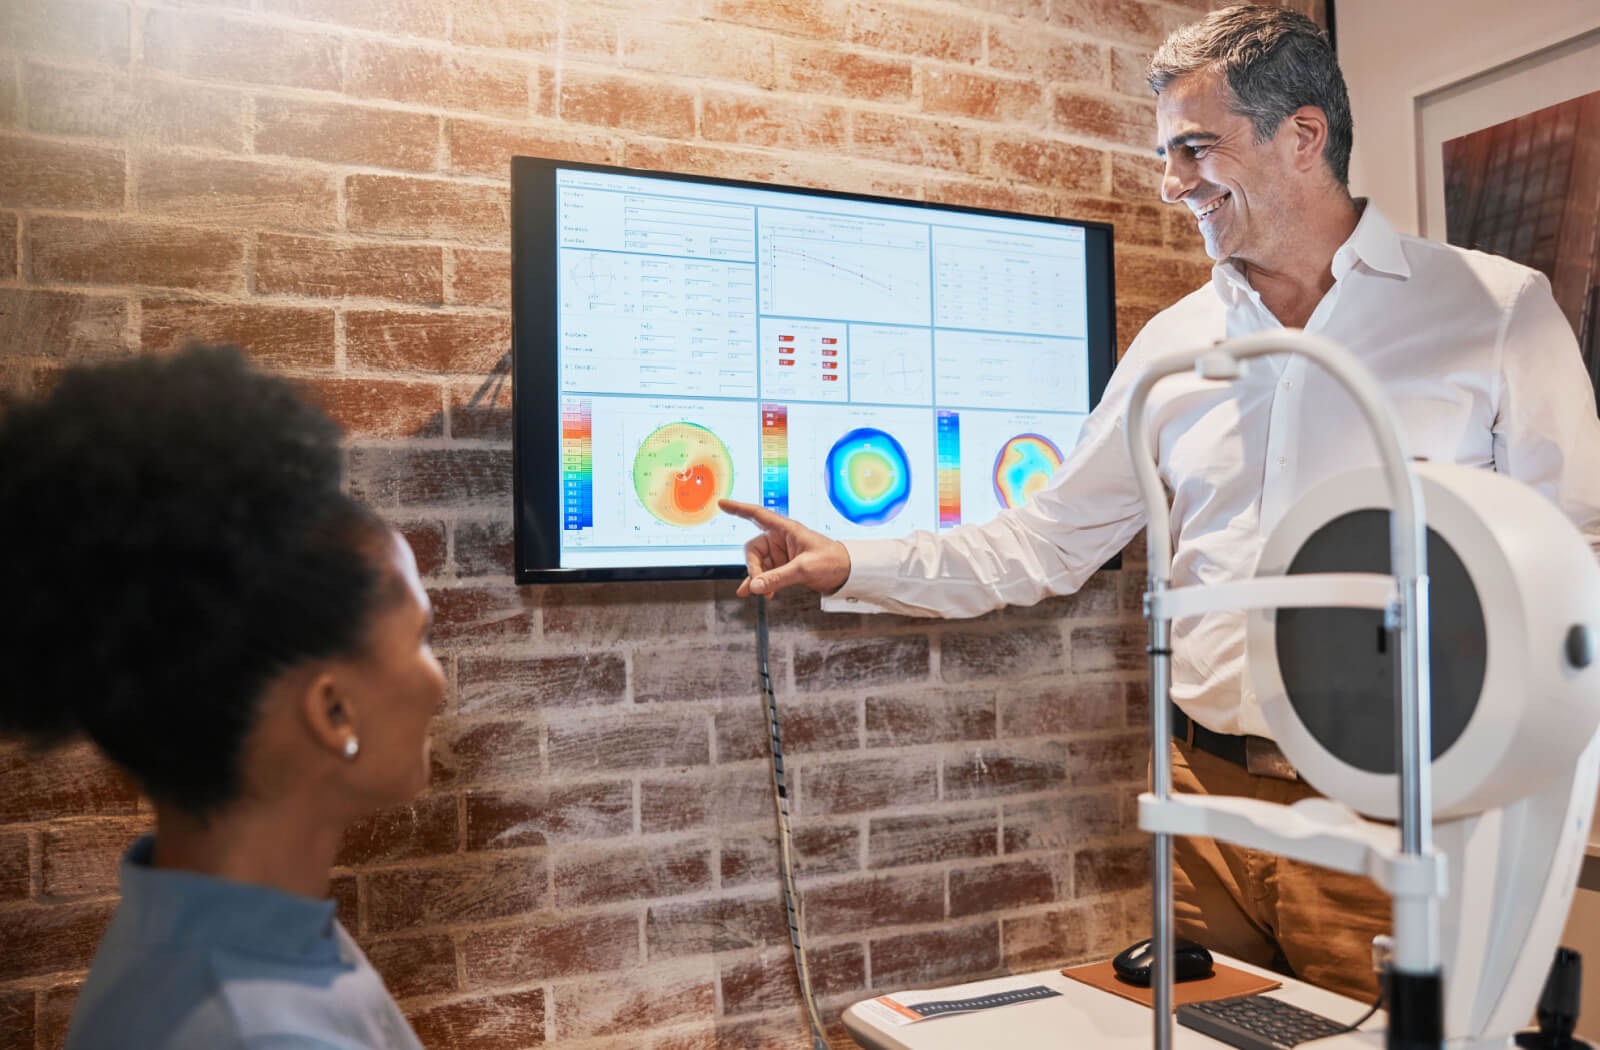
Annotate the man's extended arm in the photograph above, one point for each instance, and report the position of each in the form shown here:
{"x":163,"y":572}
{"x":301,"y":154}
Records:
{"x":1050,"y":546}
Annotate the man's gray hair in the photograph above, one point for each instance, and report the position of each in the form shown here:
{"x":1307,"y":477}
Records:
{"x":1274,"y":61}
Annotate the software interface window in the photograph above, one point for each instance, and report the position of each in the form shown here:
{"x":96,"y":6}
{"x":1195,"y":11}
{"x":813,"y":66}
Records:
{"x":865,"y":367}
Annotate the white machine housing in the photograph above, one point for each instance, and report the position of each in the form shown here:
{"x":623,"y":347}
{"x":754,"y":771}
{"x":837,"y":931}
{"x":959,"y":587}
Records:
{"x":1513,"y":793}
{"x":1537,"y":580}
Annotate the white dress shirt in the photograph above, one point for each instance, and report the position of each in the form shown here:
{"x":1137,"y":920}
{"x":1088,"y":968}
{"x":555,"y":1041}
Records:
{"x":1482,"y":367}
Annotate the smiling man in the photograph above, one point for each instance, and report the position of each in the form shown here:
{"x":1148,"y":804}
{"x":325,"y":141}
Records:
{"x":1254,"y":123}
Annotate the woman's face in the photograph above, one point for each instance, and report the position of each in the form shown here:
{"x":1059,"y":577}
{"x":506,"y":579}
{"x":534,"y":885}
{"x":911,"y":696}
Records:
{"x":395,"y":685}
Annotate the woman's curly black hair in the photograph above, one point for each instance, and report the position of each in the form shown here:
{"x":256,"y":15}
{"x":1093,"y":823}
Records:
{"x":173,"y":536}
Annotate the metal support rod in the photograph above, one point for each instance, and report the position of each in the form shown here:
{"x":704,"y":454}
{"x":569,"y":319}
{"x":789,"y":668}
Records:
{"x":1416,"y":919}
{"x":1161,"y":918}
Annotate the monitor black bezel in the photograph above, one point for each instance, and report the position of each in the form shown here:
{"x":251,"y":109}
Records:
{"x":535,"y":385}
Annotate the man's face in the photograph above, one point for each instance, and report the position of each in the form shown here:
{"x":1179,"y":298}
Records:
{"x":1237,"y":189}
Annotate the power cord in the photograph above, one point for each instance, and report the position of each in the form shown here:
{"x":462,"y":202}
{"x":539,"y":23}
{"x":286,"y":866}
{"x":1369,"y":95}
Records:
{"x":1364,"y":1018}
{"x":780,"y":793}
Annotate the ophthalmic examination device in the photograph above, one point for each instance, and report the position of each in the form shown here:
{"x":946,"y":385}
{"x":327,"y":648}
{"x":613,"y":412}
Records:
{"x":1454,"y":739}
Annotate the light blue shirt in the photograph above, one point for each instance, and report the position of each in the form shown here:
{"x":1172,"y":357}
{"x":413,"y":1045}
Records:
{"x":192,"y":962}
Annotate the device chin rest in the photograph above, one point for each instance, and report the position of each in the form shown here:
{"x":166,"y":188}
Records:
{"x":1514,"y":655}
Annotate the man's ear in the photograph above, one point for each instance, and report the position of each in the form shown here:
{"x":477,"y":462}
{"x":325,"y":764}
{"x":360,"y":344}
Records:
{"x":329,"y":715}
{"x":1308,"y":127}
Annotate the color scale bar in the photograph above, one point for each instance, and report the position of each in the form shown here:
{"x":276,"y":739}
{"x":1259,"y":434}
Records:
{"x":775,"y":457}
{"x":949,"y":456}
{"x":577,"y":465}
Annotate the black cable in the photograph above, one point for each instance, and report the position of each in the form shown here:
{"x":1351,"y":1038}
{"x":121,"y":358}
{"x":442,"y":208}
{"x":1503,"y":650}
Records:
{"x":1364,"y":1018}
{"x":780,"y":794}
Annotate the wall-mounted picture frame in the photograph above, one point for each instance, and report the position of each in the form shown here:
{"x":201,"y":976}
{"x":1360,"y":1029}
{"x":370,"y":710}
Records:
{"x":1508,"y":161}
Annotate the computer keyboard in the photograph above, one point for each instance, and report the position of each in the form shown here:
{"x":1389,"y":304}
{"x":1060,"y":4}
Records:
{"x":1256,"y":1022}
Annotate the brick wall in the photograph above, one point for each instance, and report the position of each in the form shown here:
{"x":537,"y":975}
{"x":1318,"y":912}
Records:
{"x":323,"y":181}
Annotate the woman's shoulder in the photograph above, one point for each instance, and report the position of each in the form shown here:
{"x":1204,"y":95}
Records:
{"x":189,"y":994}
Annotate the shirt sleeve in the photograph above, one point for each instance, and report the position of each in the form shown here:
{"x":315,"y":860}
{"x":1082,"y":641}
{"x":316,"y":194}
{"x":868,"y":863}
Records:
{"x":1049,"y":546}
{"x":1547,"y":433}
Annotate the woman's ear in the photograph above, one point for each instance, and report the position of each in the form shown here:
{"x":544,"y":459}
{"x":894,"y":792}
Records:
{"x":330,"y":716}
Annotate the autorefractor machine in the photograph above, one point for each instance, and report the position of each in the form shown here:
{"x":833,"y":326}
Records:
{"x":1499,"y":682}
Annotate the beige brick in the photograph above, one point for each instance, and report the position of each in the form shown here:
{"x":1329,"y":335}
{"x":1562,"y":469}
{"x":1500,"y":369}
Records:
{"x":424,"y":18}
{"x":1022,"y":47}
{"x":819,"y":19}
{"x":81,"y":859}
{"x":1110,"y":118}
{"x":651,"y":107}
{"x":612,"y":1006}
{"x":412,"y":966}
{"x":607,"y":874}
{"x":46,"y":174}
{"x":934,"y":957}
{"x":92,"y":31}
{"x":764,"y":121}
{"x":434,"y":209}
{"x":236,"y":193}
{"x":281,"y":336}
{"x":485,"y":753}
{"x":439,"y":78}
{"x":529,"y":26}
{"x":402,"y":477}
{"x":482,"y":887}
{"x":826,"y":69}
{"x":916,"y":30}
{"x":872,"y":901}
{"x":914,"y":140}
{"x":92,"y":252}
{"x":197,"y":44}
{"x":983,"y":96}
{"x":425,"y":828}
{"x":1048,"y":163}
{"x":89,"y":102}
{"x":1072,"y":934}
{"x":478,"y":147}
{"x":535,"y":815}
{"x":550,"y":947}
{"x":478,"y":278}
{"x":434,"y":342}
{"x":47,"y":939}
{"x":329,"y":269}
{"x":511,"y":1019}
{"x":62,"y":324}
{"x":341,"y":134}
{"x":698,"y":49}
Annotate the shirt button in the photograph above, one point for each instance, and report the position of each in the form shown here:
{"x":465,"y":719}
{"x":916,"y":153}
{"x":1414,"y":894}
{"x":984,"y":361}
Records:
{"x":1282,"y":462}
{"x":1288,"y":384}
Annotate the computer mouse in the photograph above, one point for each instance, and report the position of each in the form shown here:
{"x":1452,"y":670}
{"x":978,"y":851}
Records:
{"x":1133,"y":964}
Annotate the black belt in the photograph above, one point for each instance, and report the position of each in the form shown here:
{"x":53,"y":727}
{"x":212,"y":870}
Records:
{"x":1256,"y":754}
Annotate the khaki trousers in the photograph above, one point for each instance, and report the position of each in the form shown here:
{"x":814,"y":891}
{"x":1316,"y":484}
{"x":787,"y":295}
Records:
{"x":1310,"y":922}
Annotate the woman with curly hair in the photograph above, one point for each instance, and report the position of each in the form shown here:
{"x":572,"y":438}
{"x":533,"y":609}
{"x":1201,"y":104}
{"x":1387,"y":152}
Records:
{"x":194,"y":592}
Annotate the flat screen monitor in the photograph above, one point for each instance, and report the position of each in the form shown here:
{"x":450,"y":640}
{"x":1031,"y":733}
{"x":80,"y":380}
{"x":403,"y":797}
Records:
{"x":867,"y":366}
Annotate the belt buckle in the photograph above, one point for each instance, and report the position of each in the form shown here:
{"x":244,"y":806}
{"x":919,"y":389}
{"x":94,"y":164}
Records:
{"x":1263,"y":758}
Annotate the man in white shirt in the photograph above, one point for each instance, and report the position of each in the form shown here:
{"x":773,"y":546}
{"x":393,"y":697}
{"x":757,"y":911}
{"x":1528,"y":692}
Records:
{"x":1254,"y":123}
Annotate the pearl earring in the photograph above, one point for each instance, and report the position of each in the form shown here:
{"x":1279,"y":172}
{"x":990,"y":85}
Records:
{"x":352,"y":747}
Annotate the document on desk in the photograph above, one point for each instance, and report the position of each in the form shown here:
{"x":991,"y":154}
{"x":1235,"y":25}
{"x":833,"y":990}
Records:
{"x":910,"y":1007}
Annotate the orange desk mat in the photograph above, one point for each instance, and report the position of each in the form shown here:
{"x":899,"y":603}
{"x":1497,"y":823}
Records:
{"x":1225,"y":982}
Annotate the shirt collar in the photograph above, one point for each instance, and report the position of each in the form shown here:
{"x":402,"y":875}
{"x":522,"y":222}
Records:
{"x":1373,"y":243}
{"x":186,"y":906}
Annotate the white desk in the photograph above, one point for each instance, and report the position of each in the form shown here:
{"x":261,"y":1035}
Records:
{"x":1088,"y":1017}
